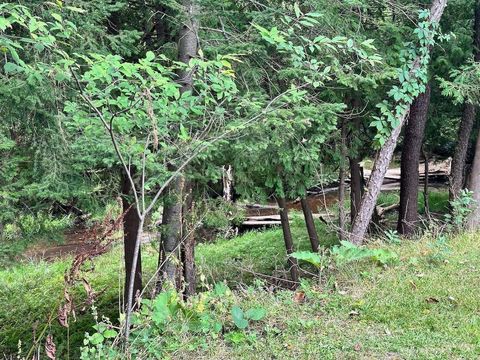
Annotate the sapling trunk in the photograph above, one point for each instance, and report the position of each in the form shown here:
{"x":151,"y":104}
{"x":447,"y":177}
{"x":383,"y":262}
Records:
{"x":131,"y":223}
{"x":188,"y":246}
{"x":310,"y":224}
{"x":426,"y":202}
{"x":136,"y":255}
{"x":341,"y":185}
{"x":287,"y":236}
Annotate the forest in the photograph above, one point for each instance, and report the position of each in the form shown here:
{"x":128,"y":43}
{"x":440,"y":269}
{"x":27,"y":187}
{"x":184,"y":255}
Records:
{"x":239,"y":179}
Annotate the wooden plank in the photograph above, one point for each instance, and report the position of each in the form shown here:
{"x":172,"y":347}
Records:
{"x":260,"y":223}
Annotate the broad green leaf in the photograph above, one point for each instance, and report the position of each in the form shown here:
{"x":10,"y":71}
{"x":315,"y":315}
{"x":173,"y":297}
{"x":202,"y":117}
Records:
{"x":96,"y":339}
{"x":110,"y":333}
{"x":4,"y":24}
{"x":238,"y":318}
{"x":149,"y":56}
{"x":57,"y":17}
{"x":10,"y":67}
{"x":308,"y":256}
{"x":75,"y":9}
{"x":296,"y":8}
{"x":256,"y":314}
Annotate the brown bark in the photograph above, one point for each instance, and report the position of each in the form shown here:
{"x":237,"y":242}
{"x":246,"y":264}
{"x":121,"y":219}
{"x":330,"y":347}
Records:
{"x":457,"y":173}
{"x":473,"y":220}
{"x":188,"y":246}
{"x":412,"y":148}
{"x":341,"y":185}
{"x":131,"y":223}
{"x":310,"y":223}
{"x":384,"y":156}
{"x":171,"y":234}
{"x":188,"y":42}
{"x":356,"y":172}
{"x":356,"y":187}
{"x":172,"y":211}
{"x":426,"y":202}
{"x":287,"y":236}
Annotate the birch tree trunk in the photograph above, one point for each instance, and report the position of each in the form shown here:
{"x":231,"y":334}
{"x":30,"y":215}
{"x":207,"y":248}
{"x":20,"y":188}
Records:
{"x":227,"y":183}
{"x":384,"y":156}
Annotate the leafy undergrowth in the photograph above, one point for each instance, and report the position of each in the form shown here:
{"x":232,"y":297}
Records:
{"x":255,"y":253}
{"x":31,"y":292}
{"x":425,"y":306}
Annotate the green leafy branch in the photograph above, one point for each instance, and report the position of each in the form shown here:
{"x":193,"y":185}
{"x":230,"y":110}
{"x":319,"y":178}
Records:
{"x":412,"y":76}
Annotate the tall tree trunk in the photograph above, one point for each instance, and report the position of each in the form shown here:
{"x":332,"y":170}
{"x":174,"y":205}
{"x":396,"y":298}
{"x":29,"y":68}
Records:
{"x":473,"y":221}
{"x":188,"y":246}
{"x":426,"y":202}
{"x":356,"y":172}
{"x":172,"y":210}
{"x":384,"y":156}
{"x":412,"y":148}
{"x":131,"y":223}
{"x":341,"y":185}
{"x":171,"y":235}
{"x":310,"y":223}
{"x":356,"y":187}
{"x":457,"y":173}
{"x":287,"y":236}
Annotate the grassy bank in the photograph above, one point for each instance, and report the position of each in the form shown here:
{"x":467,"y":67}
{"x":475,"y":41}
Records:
{"x":31,"y":292}
{"x":425,"y":307}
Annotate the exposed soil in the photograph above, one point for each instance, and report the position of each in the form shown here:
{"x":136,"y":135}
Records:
{"x":76,"y":242}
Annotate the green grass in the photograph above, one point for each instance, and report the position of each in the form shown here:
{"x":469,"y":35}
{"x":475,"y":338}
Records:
{"x":30,"y":291}
{"x":237,"y":260}
{"x":438,"y":200}
{"x":415,"y":310}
